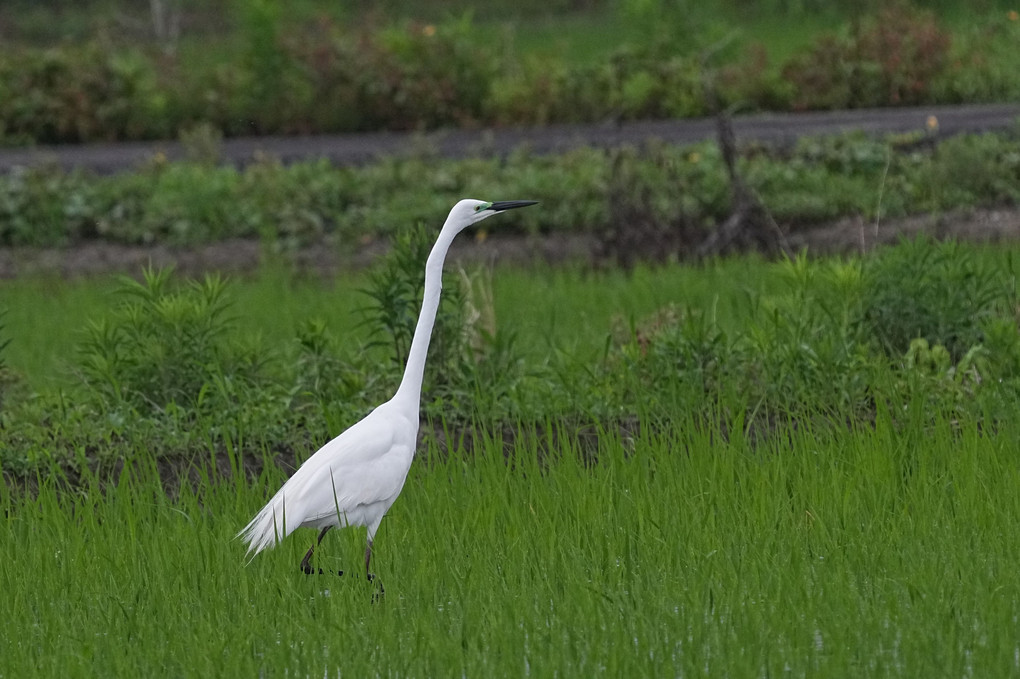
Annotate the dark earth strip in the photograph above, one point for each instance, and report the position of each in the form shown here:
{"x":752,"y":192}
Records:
{"x":845,"y":236}
{"x":356,"y":149}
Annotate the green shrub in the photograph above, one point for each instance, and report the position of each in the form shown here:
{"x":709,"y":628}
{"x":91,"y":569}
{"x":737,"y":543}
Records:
{"x":322,"y":77}
{"x":917,"y":329}
{"x":808,"y":353}
{"x":633,"y":84}
{"x":44,"y":207}
{"x":79,"y":94}
{"x":675,"y":358}
{"x":473,"y":368}
{"x":975,"y":169}
{"x":395,"y":291}
{"x":918,"y":323}
{"x":166,"y":347}
{"x":654,"y":200}
{"x":983,"y":63}
{"x":938,"y":292}
{"x":329,"y":382}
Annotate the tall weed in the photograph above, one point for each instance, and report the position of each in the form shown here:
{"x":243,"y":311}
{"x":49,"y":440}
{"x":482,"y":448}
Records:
{"x":166,"y":346}
{"x":938,"y":292}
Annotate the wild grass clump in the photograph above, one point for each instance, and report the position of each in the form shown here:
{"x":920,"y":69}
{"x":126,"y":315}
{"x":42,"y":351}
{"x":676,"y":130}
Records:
{"x":941,"y":293}
{"x":168,"y":364}
{"x":920,"y":320}
{"x":166,"y":347}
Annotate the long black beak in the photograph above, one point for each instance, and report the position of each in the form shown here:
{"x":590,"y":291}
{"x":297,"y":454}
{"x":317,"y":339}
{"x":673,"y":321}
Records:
{"x":502,"y":205}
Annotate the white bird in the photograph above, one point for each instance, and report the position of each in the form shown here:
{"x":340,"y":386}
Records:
{"x":355,"y":478}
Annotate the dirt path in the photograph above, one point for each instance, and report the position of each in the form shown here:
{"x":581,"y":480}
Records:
{"x":843,"y":236}
{"x":354,"y":149}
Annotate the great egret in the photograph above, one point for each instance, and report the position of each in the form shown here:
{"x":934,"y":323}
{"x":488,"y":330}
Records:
{"x":355,"y":478}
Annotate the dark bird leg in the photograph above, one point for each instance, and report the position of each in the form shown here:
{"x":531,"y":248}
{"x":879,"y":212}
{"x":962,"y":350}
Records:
{"x":370,"y":576}
{"x":306,"y":563}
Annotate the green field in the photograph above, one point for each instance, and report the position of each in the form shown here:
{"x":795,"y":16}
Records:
{"x":871,"y":553}
{"x":749,"y":521}
{"x":737,"y":468}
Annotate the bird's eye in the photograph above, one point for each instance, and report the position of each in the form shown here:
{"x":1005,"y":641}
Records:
{"x":477,"y":208}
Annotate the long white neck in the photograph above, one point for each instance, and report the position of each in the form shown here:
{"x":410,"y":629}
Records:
{"x":409,"y":392}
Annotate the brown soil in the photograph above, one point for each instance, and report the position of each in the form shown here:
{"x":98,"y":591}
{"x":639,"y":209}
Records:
{"x":846,"y":236}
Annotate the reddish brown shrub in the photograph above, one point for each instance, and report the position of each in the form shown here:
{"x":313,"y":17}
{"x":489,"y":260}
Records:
{"x":890,"y":60}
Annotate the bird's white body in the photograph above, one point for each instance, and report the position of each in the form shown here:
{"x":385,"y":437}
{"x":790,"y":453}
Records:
{"x":351,"y":481}
{"x":354,"y":479}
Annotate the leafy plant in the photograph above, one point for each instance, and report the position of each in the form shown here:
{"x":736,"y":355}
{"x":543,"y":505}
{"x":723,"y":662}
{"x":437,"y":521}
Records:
{"x":80,"y":93}
{"x":983,"y":62}
{"x":675,"y":358}
{"x":937,"y":292}
{"x":166,"y":347}
{"x":395,"y":289}
{"x":975,"y":169}
{"x":328,"y":380}
{"x":321,"y":76}
{"x":893,"y":58}
{"x":672,"y":193}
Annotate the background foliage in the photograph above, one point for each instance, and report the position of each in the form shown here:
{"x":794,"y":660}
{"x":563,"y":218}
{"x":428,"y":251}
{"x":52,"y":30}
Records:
{"x":674,"y":192}
{"x":255,"y":69}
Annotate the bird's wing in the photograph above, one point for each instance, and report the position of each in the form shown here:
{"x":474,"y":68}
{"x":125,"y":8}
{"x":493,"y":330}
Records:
{"x":364,"y":465}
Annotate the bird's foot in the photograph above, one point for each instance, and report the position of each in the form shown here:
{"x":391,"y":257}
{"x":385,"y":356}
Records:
{"x":381,"y":591}
{"x":308,"y":570}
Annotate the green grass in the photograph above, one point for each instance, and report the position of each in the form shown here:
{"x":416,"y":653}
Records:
{"x":882,"y":546}
{"x":880,"y":552}
{"x":592,"y":37}
{"x":47,"y":316}
{"x":45,"y":319}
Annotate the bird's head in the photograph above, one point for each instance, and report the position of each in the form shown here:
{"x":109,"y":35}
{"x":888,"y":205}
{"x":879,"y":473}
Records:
{"x":469,"y":211}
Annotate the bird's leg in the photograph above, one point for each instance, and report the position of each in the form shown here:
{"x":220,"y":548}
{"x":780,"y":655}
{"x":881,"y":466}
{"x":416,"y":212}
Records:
{"x":306,"y":563}
{"x":371,"y":577}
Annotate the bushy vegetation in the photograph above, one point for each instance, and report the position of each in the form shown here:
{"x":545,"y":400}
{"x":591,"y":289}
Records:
{"x":681,"y":191}
{"x":324,"y":76}
{"x":925,"y":326}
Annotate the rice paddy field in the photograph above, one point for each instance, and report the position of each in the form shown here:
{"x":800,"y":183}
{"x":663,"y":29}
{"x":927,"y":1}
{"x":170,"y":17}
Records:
{"x":880,"y":540}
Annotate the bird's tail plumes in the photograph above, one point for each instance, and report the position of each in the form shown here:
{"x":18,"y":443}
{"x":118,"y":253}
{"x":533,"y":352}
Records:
{"x":268,"y":527}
